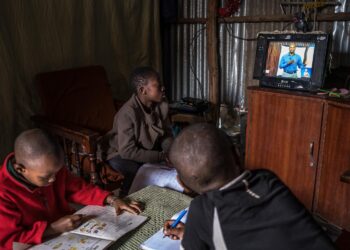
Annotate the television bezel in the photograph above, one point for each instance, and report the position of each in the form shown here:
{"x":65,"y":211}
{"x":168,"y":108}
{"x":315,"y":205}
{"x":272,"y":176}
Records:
{"x":321,"y":41}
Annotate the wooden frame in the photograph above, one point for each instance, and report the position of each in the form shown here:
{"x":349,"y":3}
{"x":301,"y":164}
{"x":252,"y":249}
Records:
{"x":76,"y":140}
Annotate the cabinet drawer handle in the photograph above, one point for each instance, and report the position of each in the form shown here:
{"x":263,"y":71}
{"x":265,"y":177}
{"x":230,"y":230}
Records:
{"x":311,"y":151}
{"x":345,"y":177}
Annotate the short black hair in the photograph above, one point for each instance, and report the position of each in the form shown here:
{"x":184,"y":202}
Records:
{"x":35,"y":143}
{"x":141,"y":75}
{"x":202,"y":155}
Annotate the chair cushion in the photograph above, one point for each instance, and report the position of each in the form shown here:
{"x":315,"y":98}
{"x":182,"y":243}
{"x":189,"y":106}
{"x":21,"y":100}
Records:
{"x":80,"y":96}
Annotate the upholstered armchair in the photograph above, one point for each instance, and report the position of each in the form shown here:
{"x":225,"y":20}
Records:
{"x":78,"y":108}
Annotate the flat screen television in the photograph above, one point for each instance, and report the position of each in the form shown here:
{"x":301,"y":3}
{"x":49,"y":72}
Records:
{"x":295,"y":61}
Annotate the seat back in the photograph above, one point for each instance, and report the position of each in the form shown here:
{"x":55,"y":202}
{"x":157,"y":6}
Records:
{"x":80,"y":96}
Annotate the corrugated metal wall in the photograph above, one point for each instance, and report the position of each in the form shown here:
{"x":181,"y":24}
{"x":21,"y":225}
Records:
{"x":237,"y":55}
{"x":341,"y":38}
{"x":189,"y":53}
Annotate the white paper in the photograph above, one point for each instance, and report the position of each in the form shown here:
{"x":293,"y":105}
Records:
{"x":73,"y":242}
{"x":106,"y":224}
{"x":20,"y":246}
{"x":156,"y":175}
{"x":157,"y":242}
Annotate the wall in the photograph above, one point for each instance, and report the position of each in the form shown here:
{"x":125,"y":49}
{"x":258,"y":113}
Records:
{"x":39,"y":36}
{"x":189,"y":71}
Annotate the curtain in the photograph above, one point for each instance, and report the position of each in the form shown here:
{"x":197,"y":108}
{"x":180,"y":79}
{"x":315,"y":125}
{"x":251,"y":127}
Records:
{"x":46,"y":35}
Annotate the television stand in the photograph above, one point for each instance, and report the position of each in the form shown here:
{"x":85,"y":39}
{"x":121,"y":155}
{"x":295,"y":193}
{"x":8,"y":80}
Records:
{"x":305,"y":140}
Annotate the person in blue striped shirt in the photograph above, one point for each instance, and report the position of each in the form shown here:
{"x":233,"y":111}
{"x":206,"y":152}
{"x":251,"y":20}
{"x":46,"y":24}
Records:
{"x":290,"y":63}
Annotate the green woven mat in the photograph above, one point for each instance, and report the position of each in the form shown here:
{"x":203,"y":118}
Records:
{"x":160,"y":205}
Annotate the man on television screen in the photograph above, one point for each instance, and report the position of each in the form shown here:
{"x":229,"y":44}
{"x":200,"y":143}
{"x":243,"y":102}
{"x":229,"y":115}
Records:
{"x":290,"y":63}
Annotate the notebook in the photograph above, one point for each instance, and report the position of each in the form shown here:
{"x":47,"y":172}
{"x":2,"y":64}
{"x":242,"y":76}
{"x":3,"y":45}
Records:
{"x":157,"y":242}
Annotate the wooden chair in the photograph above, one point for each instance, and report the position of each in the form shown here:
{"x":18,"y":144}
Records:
{"x":78,"y":108}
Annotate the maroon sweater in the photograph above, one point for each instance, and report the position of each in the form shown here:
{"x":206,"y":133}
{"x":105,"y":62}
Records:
{"x":26,"y":211}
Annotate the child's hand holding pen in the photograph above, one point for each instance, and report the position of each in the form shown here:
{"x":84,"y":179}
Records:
{"x":175,"y":233}
{"x":175,"y":229}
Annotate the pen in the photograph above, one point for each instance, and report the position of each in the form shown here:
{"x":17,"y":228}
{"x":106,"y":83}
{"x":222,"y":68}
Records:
{"x":182,"y":214}
{"x":177,"y":221}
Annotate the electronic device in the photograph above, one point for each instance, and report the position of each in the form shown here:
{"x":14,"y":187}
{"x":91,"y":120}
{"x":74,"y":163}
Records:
{"x":295,"y":61}
{"x":190,"y":105}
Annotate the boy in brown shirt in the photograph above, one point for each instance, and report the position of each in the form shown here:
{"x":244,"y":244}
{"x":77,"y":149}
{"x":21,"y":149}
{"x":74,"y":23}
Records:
{"x":141,"y":130}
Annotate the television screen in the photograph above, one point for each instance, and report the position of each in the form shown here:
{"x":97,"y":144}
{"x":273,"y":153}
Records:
{"x":291,"y":60}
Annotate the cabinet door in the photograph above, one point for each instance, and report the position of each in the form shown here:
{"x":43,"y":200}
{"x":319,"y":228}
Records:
{"x":283,"y":135}
{"x":333,"y":197}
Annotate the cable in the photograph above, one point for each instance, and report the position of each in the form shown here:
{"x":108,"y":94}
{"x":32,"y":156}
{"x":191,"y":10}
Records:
{"x":285,"y":26}
{"x":199,"y":32}
{"x":237,"y":37}
{"x":191,"y":62}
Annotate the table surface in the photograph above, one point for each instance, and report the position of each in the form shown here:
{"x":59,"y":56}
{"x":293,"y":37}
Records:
{"x":160,"y":205}
{"x":189,"y":118}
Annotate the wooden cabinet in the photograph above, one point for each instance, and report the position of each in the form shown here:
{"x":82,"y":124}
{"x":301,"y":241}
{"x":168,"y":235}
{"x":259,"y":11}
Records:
{"x":283,"y":135}
{"x":305,"y":140}
{"x":332,"y":195}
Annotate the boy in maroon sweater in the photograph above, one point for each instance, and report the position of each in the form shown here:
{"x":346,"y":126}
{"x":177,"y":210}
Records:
{"x":35,"y":188}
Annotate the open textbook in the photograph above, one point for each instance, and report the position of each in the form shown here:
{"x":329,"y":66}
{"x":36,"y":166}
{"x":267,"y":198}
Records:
{"x":159,"y":242}
{"x":97,"y":233}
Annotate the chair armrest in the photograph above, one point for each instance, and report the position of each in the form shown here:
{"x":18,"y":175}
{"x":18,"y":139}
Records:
{"x":72,"y":132}
{"x":82,"y":139}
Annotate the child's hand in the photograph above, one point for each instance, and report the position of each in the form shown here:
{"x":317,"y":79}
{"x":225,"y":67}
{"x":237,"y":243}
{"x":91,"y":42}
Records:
{"x":66,"y":223}
{"x":174,"y":233}
{"x":133,"y":207}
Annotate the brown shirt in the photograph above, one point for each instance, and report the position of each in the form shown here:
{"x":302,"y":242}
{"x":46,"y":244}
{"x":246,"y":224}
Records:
{"x":137,"y":135}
